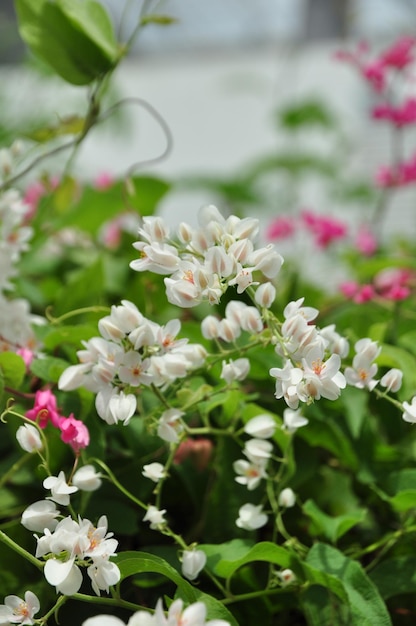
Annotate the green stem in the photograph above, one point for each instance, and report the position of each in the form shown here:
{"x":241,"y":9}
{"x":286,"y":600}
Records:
{"x":60,"y":601}
{"x":82,"y":597}
{"x":117,"y":484}
{"x":24,"y":553}
{"x":87,"y":309}
{"x":14,"y":468}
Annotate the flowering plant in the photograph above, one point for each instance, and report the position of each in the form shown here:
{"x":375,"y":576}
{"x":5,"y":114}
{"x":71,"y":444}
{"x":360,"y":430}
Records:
{"x":190,"y":436}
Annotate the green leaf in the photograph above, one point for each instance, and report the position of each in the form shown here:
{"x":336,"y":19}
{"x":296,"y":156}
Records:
{"x":74,"y":37}
{"x":48,"y":368}
{"x":402,"y":488}
{"x":395,"y":576}
{"x":68,"y":335}
{"x":366,"y":605}
{"x":70,"y":125}
{"x":333,"y":527}
{"x":13,"y":369}
{"x":307,"y":114}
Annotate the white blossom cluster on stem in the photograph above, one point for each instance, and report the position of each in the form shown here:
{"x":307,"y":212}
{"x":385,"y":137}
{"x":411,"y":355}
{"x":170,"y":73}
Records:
{"x":74,"y":545}
{"x":131,"y":352}
{"x":15,"y":318}
{"x":312,"y":358}
{"x":199,"y":264}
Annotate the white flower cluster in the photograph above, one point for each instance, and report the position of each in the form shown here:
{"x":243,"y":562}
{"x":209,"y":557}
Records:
{"x":132,"y":351}
{"x":15,"y":320}
{"x":250,"y":472}
{"x":68,"y":544}
{"x":312,"y":358}
{"x":192,"y":615}
{"x":79,"y":544}
{"x":201,"y":263}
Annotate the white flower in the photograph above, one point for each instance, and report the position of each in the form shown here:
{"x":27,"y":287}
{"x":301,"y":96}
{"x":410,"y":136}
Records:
{"x":122,"y":407}
{"x":265,"y":295}
{"x":409,"y":414}
{"x":367,"y":349}
{"x":251,"y":320}
{"x":103,"y":574}
{"x":321,"y":378}
{"x":267,"y":260}
{"x":40,"y":515}
{"x":251,"y":517}
{"x":287,"y":577}
{"x":295,"y":308}
{"x":160,"y":258}
{"x":170,"y":427}
{"x":258,"y":450}
{"x":155,"y":516}
{"x":59,"y":488}
{"x":64,"y":575}
{"x":154,"y":471}
{"x":87,"y":478}
{"x":193,"y":615}
{"x":250,"y":474}
{"x":29,"y":438}
{"x":287,"y":498}
{"x":228,"y":330}
{"x":103,"y":620}
{"x":193,"y":561}
{"x":292,"y":420}
{"x":210,"y":327}
{"x":287,"y":379}
{"x":18,"y":611}
{"x":362,"y":373}
{"x":235,"y":370}
{"x":261,"y":426}
{"x":392,"y":380}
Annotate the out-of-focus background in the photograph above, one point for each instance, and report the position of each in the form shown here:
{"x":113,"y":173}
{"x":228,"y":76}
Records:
{"x":219,"y":75}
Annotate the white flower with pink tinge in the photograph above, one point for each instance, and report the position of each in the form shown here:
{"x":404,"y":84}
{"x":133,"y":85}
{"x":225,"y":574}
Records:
{"x":18,"y":611}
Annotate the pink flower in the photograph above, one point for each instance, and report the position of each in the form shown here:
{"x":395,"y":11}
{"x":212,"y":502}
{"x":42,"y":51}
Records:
{"x":325,"y":228}
{"x":399,"y":54}
{"x":400,"y":115}
{"x":365,"y":241}
{"x":103,"y":181}
{"x":27,"y":356}
{"x":281,"y":228}
{"x":44,"y":409}
{"x":74,"y":432}
{"x":393,"y":283}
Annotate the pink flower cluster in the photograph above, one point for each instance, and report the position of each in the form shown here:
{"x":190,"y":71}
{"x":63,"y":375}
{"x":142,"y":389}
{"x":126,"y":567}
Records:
{"x":390,"y":284}
{"x":403,"y":173}
{"x":375,"y":71}
{"x":324,"y":228}
{"x":45,"y":411}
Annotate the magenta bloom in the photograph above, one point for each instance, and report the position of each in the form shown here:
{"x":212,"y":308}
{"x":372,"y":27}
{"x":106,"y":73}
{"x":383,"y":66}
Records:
{"x":326,"y":229}
{"x":365,"y":241}
{"x":400,"y":115}
{"x":400,"y":54}
{"x":281,"y":228}
{"x":74,"y":432}
{"x":44,"y":409}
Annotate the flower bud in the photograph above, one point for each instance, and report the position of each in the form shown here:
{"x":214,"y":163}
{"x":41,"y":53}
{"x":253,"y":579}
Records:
{"x":29,"y":438}
{"x":193,"y":561}
{"x":287,"y":498}
{"x":392,"y":380}
{"x":87,"y":479}
{"x":265,"y":295}
{"x":261,"y":426}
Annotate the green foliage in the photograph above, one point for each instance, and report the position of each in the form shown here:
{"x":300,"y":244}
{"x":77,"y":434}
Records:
{"x":74,"y":37}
